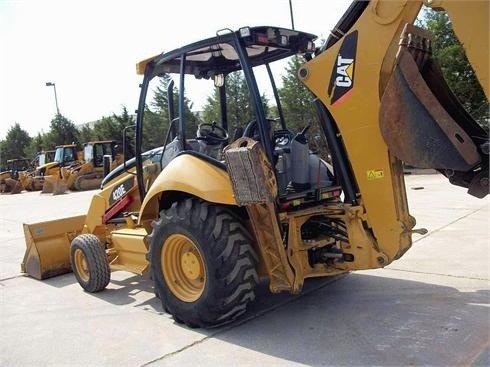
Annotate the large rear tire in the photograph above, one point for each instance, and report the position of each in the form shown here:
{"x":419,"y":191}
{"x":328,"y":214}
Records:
{"x":202,"y":263}
{"x":89,"y":263}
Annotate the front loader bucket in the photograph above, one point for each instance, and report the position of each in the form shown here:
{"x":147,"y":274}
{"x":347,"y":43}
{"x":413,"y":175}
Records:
{"x":48,"y":246}
{"x":13,"y":186}
{"x":35,"y":183}
{"x":54,"y":184}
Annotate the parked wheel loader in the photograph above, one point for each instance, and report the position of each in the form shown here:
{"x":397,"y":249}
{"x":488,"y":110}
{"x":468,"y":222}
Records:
{"x":26,"y":178}
{"x":47,"y":175}
{"x":43,"y":157}
{"x":10,"y":181}
{"x":88,"y":174}
{"x":209,"y":213}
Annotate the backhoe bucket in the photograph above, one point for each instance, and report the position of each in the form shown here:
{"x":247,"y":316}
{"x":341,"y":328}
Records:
{"x":54,"y":184}
{"x":48,"y":246}
{"x":420,"y":119}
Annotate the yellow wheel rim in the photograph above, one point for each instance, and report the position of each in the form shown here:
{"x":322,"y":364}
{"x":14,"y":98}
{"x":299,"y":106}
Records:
{"x":183,"y":268}
{"x":81,"y":265}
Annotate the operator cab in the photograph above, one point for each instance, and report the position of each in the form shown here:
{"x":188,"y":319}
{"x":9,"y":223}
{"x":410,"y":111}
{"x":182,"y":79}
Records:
{"x":95,"y":151}
{"x":233,"y":79}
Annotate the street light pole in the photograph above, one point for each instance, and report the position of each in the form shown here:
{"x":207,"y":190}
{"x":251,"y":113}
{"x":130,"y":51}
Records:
{"x":51,"y":84}
{"x":291,"y":12}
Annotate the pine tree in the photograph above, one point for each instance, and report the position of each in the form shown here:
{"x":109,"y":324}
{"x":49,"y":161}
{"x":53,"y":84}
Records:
{"x":62,"y":131}
{"x":15,"y":144}
{"x":456,"y":69}
{"x":240,"y":110}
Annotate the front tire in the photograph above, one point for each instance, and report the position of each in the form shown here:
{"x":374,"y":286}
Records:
{"x":89,"y":263}
{"x":202,"y":263}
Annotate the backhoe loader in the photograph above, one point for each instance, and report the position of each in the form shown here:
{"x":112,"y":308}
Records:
{"x":47,"y":175}
{"x":10,"y":179}
{"x":22,"y":172}
{"x":88,"y":173}
{"x":43,"y":157}
{"x":209,"y":213}
{"x":26,"y":178}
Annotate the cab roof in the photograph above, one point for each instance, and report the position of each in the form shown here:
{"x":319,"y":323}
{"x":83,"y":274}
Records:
{"x":216,"y":55}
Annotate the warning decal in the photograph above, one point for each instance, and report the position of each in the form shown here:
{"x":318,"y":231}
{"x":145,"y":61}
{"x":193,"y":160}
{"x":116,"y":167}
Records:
{"x":375,"y":174}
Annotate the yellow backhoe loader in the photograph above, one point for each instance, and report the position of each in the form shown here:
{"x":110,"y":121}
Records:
{"x":47,"y":175}
{"x":43,"y":157}
{"x":88,"y":173}
{"x":10,"y":180}
{"x":208,"y":213}
{"x":26,"y":178}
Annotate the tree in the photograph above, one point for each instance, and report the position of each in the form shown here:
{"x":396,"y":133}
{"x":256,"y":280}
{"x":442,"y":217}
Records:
{"x":15,"y":144}
{"x":111,"y":128}
{"x":157,"y":120}
{"x":86,"y":133}
{"x":456,"y":69}
{"x":298,"y":108}
{"x":296,"y":99}
{"x":239,"y":107}
{"x":38,"y":144}
{"x":62,"y":131}
{"x":160,"y":97}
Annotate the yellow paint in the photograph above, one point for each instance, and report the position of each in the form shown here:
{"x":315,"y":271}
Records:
{"x":379,"y":28}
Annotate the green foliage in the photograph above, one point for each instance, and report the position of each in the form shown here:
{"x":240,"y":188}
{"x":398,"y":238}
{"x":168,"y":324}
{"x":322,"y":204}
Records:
{"x":239,"y":107}
{"x":154,"y":129}
{"x":160,"y":97}
{"x":62,"y":131}
{"x":456,"y":69}
{"x":15,"y":144}
{"x":298,"y":108}
{"x":110,"y":128}
{"x":86,"y":134}
{"x":157,"y":120}
{"x":296,"y":99}
{"x":38,"y":144}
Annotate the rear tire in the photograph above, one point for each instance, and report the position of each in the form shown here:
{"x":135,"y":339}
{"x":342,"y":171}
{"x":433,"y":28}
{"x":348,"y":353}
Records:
{"x":89,"y":263}
{"x":202,"y":263}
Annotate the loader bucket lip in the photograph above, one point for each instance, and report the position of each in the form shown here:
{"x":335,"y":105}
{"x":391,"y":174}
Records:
{"x":53,"y":184}
{"x":48,"y":246}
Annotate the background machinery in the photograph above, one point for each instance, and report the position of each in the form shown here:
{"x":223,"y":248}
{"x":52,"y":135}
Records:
{"x":43,"y":157}
{"x":88,"y":174}
{"x":208,"y":214}
{"x":47,"y":175}
{"x":11,"y":179}
{"x":26,"y":178}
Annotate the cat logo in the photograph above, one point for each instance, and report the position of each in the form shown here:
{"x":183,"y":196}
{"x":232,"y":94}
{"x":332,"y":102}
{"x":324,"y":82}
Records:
{"x":345,"y":71}
{"x":342,"y":77}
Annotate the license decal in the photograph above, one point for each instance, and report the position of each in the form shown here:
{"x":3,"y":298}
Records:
{"x":120,"y":190}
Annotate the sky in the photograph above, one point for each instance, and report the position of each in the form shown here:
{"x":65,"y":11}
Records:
{"x":90,"y":48}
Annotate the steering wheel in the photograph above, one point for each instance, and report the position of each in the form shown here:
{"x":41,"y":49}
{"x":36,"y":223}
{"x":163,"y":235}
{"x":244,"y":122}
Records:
{"x":212,"y":133}
{"x":252,"y":129}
